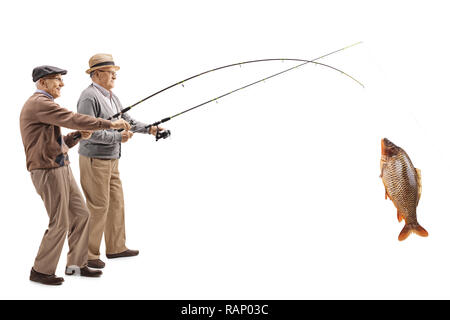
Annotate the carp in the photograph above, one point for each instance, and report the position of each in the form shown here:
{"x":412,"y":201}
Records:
{"x":403,"y":186}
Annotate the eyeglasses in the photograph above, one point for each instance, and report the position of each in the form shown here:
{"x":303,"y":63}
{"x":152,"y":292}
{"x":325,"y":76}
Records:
{"x":54,"y":78}
{"x":113,"y":73}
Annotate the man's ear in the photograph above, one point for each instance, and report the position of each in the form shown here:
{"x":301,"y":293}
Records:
{"x":41,"y":83}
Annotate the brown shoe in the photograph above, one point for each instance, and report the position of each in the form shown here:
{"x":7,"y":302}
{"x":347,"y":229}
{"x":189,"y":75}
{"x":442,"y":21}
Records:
{"x":84,"y":272}
{"x":97,"y":264}
{"x":127,"y":253}
{"x":51,"y":280}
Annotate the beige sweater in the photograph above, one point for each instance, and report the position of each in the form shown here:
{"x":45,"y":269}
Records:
{"x":40,"y":122}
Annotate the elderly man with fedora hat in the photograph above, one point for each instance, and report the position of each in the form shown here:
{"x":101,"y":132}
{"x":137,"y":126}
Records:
{"x":99,"y":163}
{"x":47,"y":160}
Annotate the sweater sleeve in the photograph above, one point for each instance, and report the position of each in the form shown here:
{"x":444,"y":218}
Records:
{"x":136,"y":126}
{"x":87,"y":106}
{"x":51,"y":113}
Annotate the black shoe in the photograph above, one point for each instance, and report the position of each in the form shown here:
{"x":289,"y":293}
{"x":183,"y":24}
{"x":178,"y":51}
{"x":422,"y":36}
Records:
{"x":127,"y":253}
{"x":97,"y":264}
{"x":51,"y":280}
{"x":84,"y":272}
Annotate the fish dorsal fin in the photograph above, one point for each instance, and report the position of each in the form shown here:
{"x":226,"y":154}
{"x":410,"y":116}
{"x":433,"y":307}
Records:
{"x":419,"y":182}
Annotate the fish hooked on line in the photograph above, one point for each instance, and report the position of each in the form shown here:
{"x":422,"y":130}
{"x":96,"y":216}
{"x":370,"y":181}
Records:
{"x":403,"y":186}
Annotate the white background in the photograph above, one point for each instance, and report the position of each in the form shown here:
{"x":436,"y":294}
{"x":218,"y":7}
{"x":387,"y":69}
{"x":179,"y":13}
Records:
{"x":274,"y":192}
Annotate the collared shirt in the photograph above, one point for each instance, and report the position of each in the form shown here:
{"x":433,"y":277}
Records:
{"x":108,"y":97}
{"x":46,"y":93}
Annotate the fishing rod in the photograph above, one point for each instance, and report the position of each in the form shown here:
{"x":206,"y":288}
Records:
{"x":166,"y":133}
{"x":232,"y":65}
{"x":223,"y":67}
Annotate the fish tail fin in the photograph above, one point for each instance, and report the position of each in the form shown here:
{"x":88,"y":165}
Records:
{"x":412,"y":227}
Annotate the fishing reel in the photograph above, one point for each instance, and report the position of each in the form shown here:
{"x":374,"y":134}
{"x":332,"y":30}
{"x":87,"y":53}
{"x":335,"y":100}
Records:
{"x":162,"y":134}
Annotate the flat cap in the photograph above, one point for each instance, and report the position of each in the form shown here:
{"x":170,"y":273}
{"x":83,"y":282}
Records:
{"x":43,"y":71}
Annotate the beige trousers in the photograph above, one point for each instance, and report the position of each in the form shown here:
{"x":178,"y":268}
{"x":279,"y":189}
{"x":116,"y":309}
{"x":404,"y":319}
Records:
{"x":102,"y":188}
{"x":67,"y":214}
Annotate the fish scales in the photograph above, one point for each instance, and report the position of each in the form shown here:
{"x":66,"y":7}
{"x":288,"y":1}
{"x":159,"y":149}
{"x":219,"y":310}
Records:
{"x":402,"y":182}
{"x":400,"y":178}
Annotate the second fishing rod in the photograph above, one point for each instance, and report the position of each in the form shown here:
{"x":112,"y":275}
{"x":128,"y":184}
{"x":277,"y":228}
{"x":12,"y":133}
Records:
{"x":166,"y":133}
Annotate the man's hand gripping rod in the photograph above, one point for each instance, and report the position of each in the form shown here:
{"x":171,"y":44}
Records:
{"x":160,"y":134}
{"x":163,"y":134}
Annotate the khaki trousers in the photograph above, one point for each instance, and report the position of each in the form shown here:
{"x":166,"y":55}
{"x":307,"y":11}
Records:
{"x":67,"y":213}
{"x":102,"y":188}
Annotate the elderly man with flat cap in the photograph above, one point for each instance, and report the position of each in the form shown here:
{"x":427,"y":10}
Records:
{"x":47,"y":160}
{"x":99,"y":163}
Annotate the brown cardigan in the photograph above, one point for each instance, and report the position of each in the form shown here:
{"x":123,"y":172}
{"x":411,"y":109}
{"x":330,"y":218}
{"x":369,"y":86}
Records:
{"x":40,"y":122}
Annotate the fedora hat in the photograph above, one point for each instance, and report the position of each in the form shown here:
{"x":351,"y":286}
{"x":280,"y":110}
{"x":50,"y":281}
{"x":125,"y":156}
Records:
{"x":101,"y":60}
